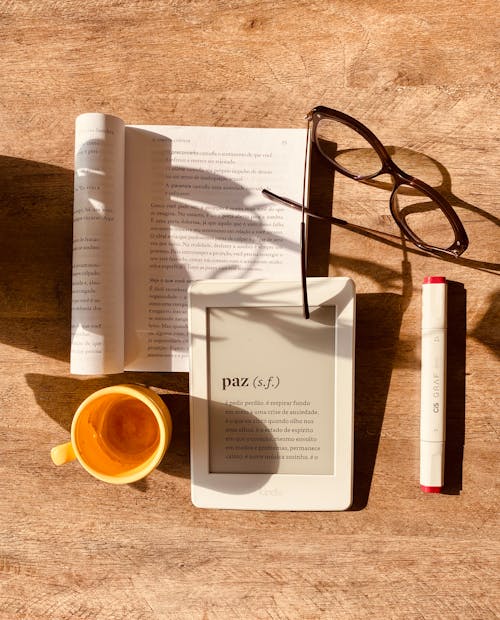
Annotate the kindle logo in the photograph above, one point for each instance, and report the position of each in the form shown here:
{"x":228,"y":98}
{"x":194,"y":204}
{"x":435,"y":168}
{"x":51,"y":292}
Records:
{"x":274,"y":492}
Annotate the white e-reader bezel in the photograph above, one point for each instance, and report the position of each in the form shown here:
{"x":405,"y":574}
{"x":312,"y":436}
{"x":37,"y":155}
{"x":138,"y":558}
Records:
{"x":273,"y":491}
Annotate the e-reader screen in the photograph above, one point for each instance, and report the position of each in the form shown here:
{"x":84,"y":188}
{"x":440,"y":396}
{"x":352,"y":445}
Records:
{"x":268,"y":409}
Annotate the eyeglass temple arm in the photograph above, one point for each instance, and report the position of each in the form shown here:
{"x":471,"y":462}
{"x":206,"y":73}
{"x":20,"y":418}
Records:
{"x":303,"y":264}
{"x":303,"y":269}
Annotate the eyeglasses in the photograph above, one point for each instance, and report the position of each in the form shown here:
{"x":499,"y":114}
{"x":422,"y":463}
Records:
{"x":354,"y":151}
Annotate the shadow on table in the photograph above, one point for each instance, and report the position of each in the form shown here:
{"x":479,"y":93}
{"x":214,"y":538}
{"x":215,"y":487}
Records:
{"x":487,"y":330}
{"x":455,"y":387}
{"x":36,"y":201}
{"x":378,"y":320}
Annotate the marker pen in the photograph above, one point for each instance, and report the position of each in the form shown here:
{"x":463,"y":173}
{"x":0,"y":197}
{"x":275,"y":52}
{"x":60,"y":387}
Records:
{"x":433,"y":384}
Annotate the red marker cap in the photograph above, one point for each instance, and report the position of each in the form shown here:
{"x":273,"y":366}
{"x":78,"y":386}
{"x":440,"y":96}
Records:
{"x":430,"y":489}
{"x":434,"y":280}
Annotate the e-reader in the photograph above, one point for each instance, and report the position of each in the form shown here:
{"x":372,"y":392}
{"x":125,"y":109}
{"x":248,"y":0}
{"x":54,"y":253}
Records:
{"x":271,"y":394}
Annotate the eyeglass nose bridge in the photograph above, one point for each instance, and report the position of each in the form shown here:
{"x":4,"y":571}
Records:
{"x":389,"y":166}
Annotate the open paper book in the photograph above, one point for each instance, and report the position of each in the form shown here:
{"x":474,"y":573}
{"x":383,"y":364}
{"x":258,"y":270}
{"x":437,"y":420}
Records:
{"x":157,"y":207}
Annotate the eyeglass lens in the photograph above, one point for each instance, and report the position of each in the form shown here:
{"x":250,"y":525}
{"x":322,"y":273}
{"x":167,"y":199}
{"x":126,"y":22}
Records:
{"x":423,"y":216}
{"x":347,"y":148}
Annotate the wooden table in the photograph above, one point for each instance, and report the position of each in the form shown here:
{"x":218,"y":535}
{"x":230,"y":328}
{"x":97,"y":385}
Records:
{"x":423,"y":76}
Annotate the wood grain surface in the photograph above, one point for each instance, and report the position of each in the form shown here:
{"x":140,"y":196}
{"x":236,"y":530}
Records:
{"x":423,"y":76}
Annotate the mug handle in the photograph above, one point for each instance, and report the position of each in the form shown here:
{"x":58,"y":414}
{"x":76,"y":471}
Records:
{"x":63,"y":453}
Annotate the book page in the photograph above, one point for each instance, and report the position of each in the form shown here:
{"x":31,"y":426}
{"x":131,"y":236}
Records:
{"x":97,"y":308}
{"x":194,"y":210}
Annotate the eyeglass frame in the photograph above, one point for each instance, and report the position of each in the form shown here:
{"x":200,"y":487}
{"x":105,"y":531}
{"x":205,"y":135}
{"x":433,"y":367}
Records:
{"x":388,"y":166}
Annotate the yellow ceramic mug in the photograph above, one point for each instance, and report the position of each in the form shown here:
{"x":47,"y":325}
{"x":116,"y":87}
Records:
{"x":119,"y":434}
